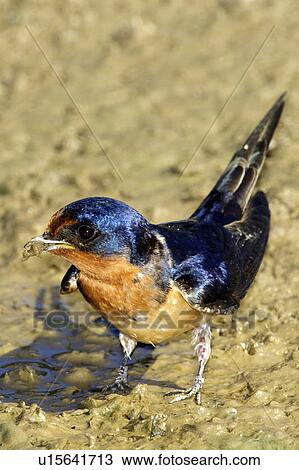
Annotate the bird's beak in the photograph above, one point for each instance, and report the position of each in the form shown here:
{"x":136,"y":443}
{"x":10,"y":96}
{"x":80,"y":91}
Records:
{"x":41,"y":244}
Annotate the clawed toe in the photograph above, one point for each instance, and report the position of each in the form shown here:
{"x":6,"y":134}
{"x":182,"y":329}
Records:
{"x":175,"y":392}
{"x":185,"y":394}
{"x":116,"y":387}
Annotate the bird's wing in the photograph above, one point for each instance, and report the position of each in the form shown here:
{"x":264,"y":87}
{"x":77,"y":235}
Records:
{"x":218,"y":251}
{"x":205,"y":264}
{"x":214,"y":265}
{"x":229,"y":198}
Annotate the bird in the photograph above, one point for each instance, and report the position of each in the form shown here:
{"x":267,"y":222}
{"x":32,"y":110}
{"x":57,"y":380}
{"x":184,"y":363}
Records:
{"x":154,"y":282}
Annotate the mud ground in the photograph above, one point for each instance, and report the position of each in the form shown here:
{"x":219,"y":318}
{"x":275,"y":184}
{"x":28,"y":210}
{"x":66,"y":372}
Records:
{"x":149,"y":78}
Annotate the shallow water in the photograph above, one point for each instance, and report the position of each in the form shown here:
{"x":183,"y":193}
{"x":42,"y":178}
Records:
{"x":150,"y":80}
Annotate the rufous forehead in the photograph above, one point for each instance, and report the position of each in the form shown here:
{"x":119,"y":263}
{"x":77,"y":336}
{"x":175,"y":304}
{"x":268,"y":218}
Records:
{"x":59,"y":220}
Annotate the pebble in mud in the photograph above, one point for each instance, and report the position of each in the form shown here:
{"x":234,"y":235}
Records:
{"x":259,"y":397}
{"x":158,"y":423}
{"x":21,"y":377}
{"x":79,"y":376}
{"x":32,"y":415}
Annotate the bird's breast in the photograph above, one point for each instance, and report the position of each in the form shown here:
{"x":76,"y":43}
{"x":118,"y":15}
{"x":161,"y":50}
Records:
{"x":137,"y":311}
{"x":131,"y":300}
{"x":170,"y":319}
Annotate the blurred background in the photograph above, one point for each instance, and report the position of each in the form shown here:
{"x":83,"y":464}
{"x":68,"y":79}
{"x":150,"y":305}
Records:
{"x":150,"y":78}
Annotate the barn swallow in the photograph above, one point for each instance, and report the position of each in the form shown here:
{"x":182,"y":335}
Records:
{"x":155,"y":282}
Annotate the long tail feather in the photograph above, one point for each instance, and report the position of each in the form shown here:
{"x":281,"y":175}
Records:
{"x":229,"y":197}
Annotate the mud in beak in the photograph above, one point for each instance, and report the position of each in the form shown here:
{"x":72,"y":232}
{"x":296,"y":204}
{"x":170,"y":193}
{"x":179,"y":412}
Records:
{"x":38,"y":245}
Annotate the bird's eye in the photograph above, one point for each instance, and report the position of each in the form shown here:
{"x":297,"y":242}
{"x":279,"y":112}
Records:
{"x":86,"y":232}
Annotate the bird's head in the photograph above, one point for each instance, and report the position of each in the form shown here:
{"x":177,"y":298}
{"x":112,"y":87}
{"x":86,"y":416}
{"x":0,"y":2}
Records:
{"x":96,"y":228}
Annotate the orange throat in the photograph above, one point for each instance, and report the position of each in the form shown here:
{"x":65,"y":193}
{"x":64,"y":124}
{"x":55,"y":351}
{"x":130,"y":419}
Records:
{"x":112,"y":284}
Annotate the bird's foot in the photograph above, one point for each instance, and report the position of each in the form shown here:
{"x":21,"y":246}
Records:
{"x":118,"y":386}
{"x":184,"y":394}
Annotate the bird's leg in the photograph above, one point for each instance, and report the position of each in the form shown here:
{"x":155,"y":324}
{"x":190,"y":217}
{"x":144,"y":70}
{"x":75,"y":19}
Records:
{"x":121,"y":382}
{"x":202,"y":348}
